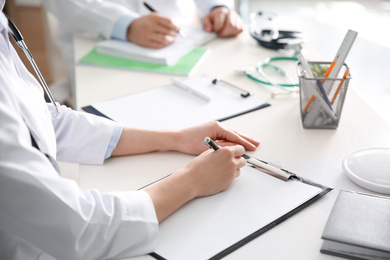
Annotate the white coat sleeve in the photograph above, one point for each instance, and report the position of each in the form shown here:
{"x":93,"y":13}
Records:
{"x":53,"y":214}
{"x":205,"y":6}
{"x":81,"y":137}
{"x":96,"y":17}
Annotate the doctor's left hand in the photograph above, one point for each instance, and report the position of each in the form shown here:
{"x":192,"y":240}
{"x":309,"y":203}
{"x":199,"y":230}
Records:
{"x":191,"y":139}
{"x":225,"y":22}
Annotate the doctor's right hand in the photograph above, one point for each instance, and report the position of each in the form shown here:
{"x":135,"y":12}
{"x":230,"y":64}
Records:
{"x":214,"y":171}
{"x":208,"y":174}
{"x":153,"y":31}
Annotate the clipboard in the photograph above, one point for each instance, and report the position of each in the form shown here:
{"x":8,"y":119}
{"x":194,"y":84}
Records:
{"x":172,"y":107}
{"x":213,"y":227}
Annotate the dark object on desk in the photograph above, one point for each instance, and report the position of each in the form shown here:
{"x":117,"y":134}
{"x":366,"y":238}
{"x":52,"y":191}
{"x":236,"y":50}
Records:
{"x":358,"y":227}
{"x":285,"y":39}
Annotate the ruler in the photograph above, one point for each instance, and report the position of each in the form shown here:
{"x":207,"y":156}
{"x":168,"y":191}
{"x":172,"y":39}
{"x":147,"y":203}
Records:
{"x":341,"y":55}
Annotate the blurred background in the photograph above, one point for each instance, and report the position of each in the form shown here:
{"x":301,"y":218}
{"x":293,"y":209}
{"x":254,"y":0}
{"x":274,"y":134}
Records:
{"x":324,"y":24}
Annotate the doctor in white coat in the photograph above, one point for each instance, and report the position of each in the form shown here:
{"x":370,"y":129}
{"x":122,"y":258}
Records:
{"x":130,"y":20}
{"x":43,"y":216}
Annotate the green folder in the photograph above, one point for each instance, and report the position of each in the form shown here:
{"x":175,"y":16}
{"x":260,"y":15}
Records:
{"x":183,"y":67}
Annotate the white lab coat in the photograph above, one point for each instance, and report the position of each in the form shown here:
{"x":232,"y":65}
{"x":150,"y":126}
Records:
{"x":98,"y":17}
{"x":43,"y":216}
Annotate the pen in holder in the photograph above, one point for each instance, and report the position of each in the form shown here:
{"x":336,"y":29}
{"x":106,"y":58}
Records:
{"x":321,"y":98}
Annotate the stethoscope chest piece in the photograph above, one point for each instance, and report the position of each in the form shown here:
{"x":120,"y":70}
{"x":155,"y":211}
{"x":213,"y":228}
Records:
{"x":265,"y":30}
{"x":285,"y":39}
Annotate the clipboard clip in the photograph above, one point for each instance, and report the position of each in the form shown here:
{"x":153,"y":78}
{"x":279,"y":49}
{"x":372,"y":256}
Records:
{"x":272,"y":168}
{"x":243,"y":93}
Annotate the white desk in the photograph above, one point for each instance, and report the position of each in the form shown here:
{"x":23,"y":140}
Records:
{"x":314,"y":154}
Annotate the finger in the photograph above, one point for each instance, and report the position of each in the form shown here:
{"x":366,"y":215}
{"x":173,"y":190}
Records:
{"x":229,"y":28}
{"x":166,"y":26}
{"x":207,"y":25}
{"x":233,"y":25}
{"x":237,"y":150}
{"x":223,"y":133}
{"x":163,"y":40}
{"x":249,"y":144}
{"x":226,"y":27}
{"x":247,"y":138}
{"x":224,"y":143}
{"x":165,"y":31}
{"x":219,"y":22}
{"x":157,"y":44}
{"x":241,"y":162}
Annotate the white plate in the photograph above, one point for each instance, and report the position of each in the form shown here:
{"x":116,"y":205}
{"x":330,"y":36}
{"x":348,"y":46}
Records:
{"x":369,"y":169}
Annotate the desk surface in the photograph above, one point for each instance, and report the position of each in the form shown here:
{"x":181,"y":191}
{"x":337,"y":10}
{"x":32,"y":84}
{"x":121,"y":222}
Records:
{"x":314,"y":154}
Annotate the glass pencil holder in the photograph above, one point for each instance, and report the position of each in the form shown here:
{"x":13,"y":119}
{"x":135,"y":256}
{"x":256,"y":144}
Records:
{"x":322,"y":98}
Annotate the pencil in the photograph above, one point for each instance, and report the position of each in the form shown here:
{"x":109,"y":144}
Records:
{"x":340,"y":85}
{"x":330,"y":68}
{"x":309,"y":103}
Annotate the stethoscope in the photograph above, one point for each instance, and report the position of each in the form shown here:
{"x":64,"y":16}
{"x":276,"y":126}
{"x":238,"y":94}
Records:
{"x":268,"y":81}
{"x":272,"y":37}
{"x":275,"y":39}
{"x":15,"y":33}
{"x":258,"y":74}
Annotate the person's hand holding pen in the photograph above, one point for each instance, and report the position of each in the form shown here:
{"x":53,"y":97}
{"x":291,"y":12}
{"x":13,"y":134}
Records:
{"x":209,"y":173}
{"x":153,"y":31}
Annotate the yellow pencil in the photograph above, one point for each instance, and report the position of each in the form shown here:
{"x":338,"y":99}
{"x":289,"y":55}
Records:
{"x":340,"y":85}
{"x":309,"y":103}
{"x":330,"y":68}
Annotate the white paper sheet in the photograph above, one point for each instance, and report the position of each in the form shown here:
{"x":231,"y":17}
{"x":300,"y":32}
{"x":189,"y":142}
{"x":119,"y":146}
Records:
{"x":170,"y":107}
{"x":206,"y":226}
{"x":194,"y":36}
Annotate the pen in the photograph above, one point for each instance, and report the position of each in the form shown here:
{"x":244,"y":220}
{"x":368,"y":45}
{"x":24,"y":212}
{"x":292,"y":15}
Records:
{"x":324,"y":95}
{"x":190,"y":90}
{"x":325,"y":103}
{"x":150,"y":8}
{"x":243,"y":94}
{"x":284,"y":175}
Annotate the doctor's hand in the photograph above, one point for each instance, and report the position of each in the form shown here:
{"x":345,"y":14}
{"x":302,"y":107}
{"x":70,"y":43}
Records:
{"x":190,"y":140}
{"x":208,"y":174}
{"x":153,"y":31}
{"x":225,"y":22}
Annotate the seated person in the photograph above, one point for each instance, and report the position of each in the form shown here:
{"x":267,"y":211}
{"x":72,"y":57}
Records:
{"x":44,"y":216}
{"x":131,"y":20}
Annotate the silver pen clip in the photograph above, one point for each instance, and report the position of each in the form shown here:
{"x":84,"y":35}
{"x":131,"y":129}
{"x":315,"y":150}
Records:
{"x":268,"y":168}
